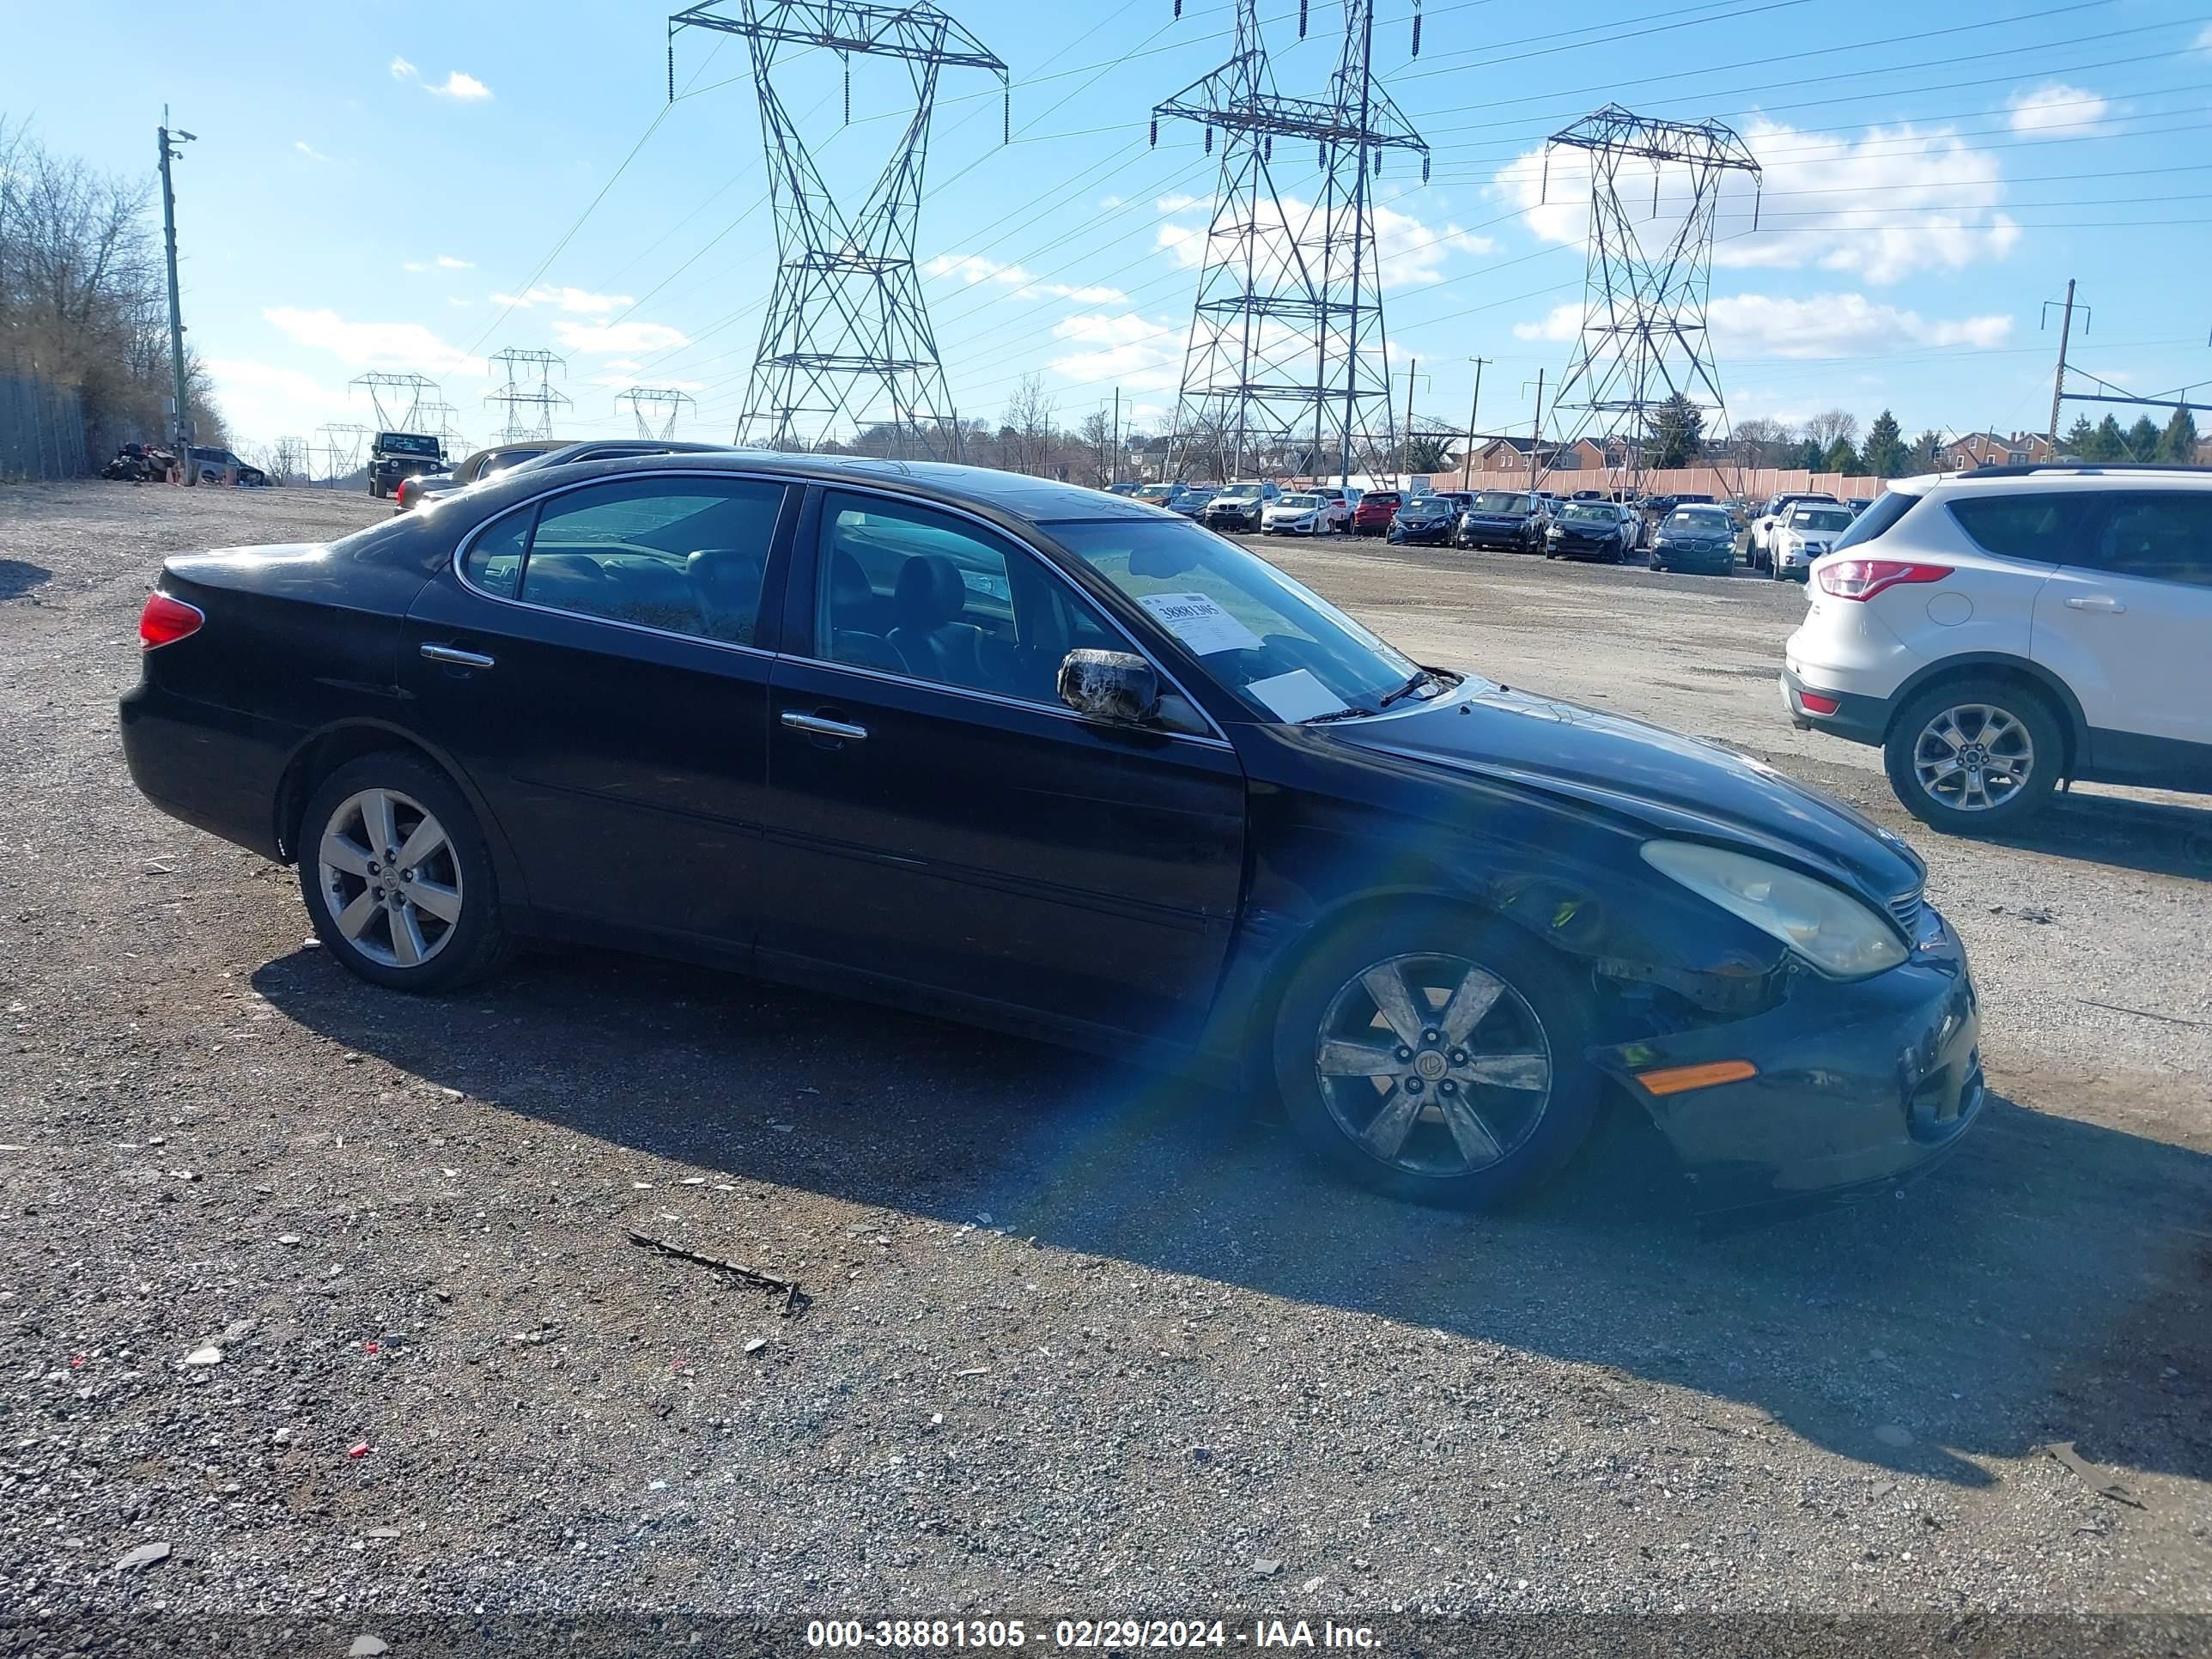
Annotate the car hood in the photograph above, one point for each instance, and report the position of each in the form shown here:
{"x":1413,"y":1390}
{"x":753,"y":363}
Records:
{"x":1675,"y":785}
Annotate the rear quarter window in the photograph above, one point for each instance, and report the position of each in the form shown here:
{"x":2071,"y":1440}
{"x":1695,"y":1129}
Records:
{"x":2041,"y":527}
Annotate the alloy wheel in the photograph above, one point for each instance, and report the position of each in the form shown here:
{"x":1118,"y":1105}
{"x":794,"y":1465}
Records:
{"x":1433,"y":1064}
{"x":1973,"y":757}
{"x":388,"y":872}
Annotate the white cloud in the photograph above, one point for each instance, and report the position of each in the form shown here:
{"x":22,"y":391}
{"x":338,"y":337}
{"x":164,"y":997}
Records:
{"x":264,"y":401}
{"x":576,"y":299}
{"x":447,"y":261}
{"x":1408,"y":252}
{"x":624,"y":339}
{"x":1825,"y":325}
{"x":466,"y":89}
{"x":373,"y":345}
{"x":974,"y":268}
{"x":416,"y":266}
{"x":401,"y":70}
{"x":2203,"y":41}
{"x":1109,"y":201}
{"x":1895,"y":201}
{"x":1135,"y":352}
{"x":309,"y":150}
{"x":2054,"y":110}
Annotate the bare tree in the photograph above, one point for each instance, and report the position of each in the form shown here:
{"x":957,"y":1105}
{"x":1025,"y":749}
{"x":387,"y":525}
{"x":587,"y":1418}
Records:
{"x":1829,"y":425}
{"x":1029,"y":423}
{"x":1764,"y":442}
{"x":82,"y":298}
{"x":1096,"y":438}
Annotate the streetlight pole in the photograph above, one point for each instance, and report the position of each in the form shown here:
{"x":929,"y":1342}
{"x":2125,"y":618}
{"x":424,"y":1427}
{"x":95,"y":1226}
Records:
{"x":183,"y":426}
{"x":1467,"y":460}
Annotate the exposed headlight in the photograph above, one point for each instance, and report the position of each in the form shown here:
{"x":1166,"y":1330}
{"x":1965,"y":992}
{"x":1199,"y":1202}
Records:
{"x":1841,"y":937}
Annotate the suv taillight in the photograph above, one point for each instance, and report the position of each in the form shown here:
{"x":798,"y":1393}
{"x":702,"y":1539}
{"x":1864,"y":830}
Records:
{"x":165,"y":621}
{"x":1862,"y":579}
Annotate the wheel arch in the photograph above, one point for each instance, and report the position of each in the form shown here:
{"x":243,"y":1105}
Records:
{"x":2057,"y":696}
{"x":323,"y":753}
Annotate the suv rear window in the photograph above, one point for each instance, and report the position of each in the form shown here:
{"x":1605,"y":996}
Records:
{"x":2040,"y":526}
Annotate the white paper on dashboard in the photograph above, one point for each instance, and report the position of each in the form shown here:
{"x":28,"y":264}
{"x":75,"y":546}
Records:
{"x":1199,"y":623}
{"x":1297,"y":696}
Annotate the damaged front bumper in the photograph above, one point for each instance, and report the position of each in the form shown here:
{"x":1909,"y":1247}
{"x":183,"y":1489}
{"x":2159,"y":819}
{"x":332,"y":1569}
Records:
{"x":1841,"y":1090}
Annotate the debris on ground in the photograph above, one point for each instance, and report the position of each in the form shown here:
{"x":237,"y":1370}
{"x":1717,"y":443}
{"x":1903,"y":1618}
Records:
{"x":795,"y":1299}
{"x":2098,"y":1479}
{"x":145,"y":1556}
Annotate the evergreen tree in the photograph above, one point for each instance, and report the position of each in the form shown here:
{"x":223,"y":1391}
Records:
{"x":1678,"y":432}
{"x":2080,"y":438}
{"x":2179,"y":442}
{"x":1885,"y":455}
{"x":2108,"y":443}
{"x":1925,"y":449}
{"x":2142,"y":439}
{"x":1841,"y":458}
{"x":1808,"y":455}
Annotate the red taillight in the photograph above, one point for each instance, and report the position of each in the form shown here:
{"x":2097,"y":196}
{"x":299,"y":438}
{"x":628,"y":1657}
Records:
{"x":1862,"y":579}
{"x":165,"y":621}
{"x":1816,"y":704}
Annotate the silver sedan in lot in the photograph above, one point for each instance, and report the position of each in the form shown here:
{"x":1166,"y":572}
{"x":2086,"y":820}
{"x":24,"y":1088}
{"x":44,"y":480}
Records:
{"x":1302,"y":514}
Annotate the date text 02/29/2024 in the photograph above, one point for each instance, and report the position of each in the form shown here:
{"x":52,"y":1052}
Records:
{"x":954,"y":1635}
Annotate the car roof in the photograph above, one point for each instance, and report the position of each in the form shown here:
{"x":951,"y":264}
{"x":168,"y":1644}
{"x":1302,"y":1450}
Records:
{"x":2048,"y":476}
{"x":1017,"y":495}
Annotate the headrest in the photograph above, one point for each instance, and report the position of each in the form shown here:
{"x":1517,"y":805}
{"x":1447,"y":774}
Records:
{"x":848,"y":582}
{"x":930,"y":593}
{"x":733,"y":569}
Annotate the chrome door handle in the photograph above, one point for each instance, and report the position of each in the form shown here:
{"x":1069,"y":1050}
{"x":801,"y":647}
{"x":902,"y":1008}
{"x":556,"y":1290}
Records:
{"x":2104,"y":602}
{"x":821,"y":727}
{"x":456,"y":656}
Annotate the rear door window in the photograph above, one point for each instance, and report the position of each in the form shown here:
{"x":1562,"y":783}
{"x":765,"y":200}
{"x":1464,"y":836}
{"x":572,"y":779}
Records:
{"x":2043,"y":527}
{"x":2164,"y":536}
{"x":1876,"y":522}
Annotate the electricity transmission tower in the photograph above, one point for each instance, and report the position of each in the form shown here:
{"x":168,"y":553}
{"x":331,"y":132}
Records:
{"x":341,"y":449}
{"x":443,"y":413}
{"x":666,"y":404}
{"x":529,"y":387}
{"x":397,"y":398}
{"x":1286,"y":363}
{"x":1644,"y":340}
{"x":847,"y":337}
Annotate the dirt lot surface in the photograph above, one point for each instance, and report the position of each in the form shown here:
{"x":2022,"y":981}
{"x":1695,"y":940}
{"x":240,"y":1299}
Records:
{"x":1079,"y":1339}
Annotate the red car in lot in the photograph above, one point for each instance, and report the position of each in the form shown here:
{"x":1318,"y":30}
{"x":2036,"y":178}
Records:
{"x":1376,"y":509}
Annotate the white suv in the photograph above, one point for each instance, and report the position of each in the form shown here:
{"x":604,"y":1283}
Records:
{"x":1997,"y":631}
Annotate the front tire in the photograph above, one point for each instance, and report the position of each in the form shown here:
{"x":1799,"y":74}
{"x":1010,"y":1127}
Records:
{"x":1974,"y":757}
{"x":396,"y":877}
{"x":1435,"y":1059}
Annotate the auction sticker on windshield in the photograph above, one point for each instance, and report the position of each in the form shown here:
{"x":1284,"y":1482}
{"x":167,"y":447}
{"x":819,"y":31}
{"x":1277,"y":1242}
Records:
{"x":1200,"y":623}
{"x":1297,"y":696}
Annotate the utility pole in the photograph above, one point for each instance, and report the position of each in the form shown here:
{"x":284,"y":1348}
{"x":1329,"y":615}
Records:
{"x":183,"y":426}
{"x":1406,"y":443}
{"x":1114,"y":465}
{"x":1536,"y":433}
{"x":2058,"y":384}
{"x":1467,"y":460}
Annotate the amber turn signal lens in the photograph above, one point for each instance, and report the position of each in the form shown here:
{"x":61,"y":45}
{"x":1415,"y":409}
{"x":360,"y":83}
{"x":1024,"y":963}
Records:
{"x":1675,"y":1080}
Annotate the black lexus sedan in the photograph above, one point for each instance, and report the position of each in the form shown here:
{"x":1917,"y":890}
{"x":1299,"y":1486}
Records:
{"x":1042,"y":758}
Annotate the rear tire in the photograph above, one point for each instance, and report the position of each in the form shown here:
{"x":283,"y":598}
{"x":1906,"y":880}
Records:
{"x":1468,"y":1091}
{"x":1974,"y":756}
{"x":429,"y":923}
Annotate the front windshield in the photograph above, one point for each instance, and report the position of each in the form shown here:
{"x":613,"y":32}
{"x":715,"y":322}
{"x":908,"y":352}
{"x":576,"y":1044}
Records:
{"x":1299,"y":500}
{"x":1155,"y":492}
{"x":1279,"y":648}
{"x":1498,"y":500}
{"x":1588,"y":513}
{"x":1709,"y":520}
{"x":1239,"y":493}
{"x":1820,"y":517}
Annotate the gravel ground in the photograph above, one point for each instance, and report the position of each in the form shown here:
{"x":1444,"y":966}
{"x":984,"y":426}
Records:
{"x":1076,"y":1338}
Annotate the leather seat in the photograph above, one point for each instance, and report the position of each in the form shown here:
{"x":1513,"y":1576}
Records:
{"x":926,"y":632}
{"x":856,"y":617}
{"x":725,"y":584}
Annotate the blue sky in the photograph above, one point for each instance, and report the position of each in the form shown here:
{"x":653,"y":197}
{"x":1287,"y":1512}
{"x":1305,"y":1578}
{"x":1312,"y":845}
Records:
{"x":381,"y":187}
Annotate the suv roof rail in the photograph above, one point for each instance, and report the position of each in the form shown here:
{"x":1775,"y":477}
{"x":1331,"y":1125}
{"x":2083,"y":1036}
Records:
{"x":2029,"y":469}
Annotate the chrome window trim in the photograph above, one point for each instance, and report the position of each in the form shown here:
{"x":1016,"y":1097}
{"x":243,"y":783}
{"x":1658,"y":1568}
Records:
{"x":461,"y":553}
{"x":1054,"y":571}
{"x":787,"y":482}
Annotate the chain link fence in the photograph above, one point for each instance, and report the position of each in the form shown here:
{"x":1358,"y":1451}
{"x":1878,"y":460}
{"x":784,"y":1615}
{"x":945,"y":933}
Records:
{"x":41,"y":431}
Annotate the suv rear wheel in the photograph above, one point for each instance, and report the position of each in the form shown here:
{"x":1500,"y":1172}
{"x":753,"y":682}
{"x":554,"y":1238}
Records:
{"x":1974,"y":756}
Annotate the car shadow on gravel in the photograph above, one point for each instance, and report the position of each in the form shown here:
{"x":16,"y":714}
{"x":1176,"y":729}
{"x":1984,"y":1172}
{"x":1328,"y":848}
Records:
{"x":19,"y":576}
{"x":2048,"y":1283}
{"x":2157,"y":837}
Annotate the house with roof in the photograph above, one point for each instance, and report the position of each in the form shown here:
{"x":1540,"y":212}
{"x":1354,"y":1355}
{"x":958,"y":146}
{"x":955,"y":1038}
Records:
{"x":1992,"y":449}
